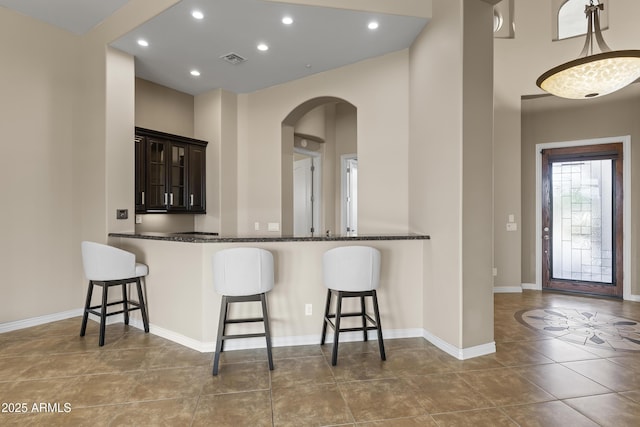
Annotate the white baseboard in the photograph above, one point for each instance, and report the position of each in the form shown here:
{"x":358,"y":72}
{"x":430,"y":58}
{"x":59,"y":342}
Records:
{"x":460,"y":353}
{"x":531,"y":286}
{"x":249,"y":343}
{"x":507,"y":289}
{"x":632,"y":297}
{"x":40,"y":320}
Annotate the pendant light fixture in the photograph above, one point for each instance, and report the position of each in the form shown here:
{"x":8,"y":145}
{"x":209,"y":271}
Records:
{"x":592,"y":74}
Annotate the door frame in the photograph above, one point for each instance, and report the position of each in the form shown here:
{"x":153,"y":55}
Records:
{"x":344,"y":162}
{"x":316,"y":162}
{"x":626,"y":205}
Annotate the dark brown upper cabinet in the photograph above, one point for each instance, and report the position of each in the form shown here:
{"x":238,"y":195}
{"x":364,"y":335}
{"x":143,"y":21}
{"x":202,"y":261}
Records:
{"x":170,"y":173}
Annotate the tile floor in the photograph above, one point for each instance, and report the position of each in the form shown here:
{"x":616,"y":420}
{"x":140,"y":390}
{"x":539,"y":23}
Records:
{"x":135,"y":379}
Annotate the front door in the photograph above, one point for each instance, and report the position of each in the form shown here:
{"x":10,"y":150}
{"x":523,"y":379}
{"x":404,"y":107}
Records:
{"x":582,"y":219}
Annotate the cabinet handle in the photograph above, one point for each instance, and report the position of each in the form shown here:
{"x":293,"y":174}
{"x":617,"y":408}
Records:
{"x":143,"y":197}
{"x":191,"y":200}
{"x":165,"y":199}
{"x":171,"y":199}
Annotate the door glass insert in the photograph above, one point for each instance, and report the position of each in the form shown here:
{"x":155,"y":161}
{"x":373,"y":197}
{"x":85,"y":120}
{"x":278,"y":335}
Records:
{"x":582,"y":220}
{"x":178,"y":175}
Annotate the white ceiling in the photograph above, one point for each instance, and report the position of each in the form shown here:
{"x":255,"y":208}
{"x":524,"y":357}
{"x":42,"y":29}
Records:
{"x":77,"y":16}
{"x":319,"y":39}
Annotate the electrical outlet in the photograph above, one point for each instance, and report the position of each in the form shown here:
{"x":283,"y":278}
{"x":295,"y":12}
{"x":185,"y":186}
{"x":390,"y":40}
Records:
{"x":273,"y":226}
{"x":122,"y":213}
{"x":308,"y":309}
{"x":138,"y":219}
{"x":495,"y":271}
{"x":256,"y":226}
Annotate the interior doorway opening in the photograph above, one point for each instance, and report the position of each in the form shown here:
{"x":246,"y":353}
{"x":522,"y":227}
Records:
{"x":349,"y":194}
{"x":307,"y":192}
{"x":315,"y":136}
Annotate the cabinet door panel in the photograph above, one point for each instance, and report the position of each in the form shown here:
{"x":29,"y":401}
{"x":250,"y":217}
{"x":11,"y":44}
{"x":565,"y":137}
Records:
{"x":197,"y":162}
{"x":156,"y":174}
{"x":178,"y":177}
{"x":140,"y":174}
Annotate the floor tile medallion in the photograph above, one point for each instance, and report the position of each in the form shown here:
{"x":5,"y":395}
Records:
{"x":586,"y":327}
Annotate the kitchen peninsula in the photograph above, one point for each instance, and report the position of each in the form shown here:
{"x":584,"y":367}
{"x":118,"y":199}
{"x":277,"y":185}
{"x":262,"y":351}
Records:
{"x":184,"y":307}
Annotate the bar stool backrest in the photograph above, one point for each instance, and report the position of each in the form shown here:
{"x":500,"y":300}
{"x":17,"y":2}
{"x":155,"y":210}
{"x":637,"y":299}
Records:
{"x":243,"y":271}
{"x":351,"y":268}
{"x":104,"y":263}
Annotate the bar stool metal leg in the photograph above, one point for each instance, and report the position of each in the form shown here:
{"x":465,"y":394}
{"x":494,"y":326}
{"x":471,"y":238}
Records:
{"x":143,"y":305}
{"x":103,"y":313}
{"x":336,"y":336}
{"x":219,"y":340}
{"x":87,"y":306}
{"x":378,"y":325}
{"x":267,"y":330}
{"x":326,"y":314}
{"x":363,"y":306}
{"x":125,"y":304}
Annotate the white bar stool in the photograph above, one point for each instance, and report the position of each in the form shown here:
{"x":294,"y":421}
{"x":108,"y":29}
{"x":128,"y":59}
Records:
{"x":107,"y":266}
{"x":241,"y":275}
{"x":351,"y":272}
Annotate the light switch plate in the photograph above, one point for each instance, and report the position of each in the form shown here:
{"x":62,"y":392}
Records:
{"x":122,"y":213}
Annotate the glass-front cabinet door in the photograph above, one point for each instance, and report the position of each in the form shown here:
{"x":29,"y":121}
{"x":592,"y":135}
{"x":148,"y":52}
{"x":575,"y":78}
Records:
{"x":178,"y":177}
{"x":158,"y":194}
{"x":141,"y":174}
{"x":196,"y":182}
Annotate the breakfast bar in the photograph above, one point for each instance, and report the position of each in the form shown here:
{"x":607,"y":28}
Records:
{"x":184,"y":307}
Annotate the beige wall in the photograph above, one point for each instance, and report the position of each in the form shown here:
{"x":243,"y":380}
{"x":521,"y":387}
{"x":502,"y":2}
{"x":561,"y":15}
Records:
{"x":37,"y":252}
{"x":216,"y":120}
{"x":477,"y":171}
{"x":382,"y":141}
{"x":120,"y":150}
{"x":163,"y":109}
{"x":517,"y":64}
{"x":552,"y":119}
{"x":63,"y":142}
{"x":450,"y":165}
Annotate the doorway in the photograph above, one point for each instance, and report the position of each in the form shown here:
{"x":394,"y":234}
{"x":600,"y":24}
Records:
{"x":349,"y":194}
{"x":307,"y":192}
{"x":582,"y":193}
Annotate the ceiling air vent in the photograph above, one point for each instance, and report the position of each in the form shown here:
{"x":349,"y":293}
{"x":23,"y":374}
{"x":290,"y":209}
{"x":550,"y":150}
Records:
{"x":233,"y":58}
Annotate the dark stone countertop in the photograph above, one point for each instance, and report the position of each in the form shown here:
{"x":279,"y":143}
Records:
{"x":202,"y":237}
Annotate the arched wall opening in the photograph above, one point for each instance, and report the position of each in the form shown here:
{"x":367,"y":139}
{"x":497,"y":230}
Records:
{"x":321,"y":129}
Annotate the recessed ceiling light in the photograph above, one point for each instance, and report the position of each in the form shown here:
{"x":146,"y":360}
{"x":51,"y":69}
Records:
{"x":143,"y":42}
{"x":263,"y":47}
{"x":372,"y":25}
{"x":195,"y":73}
{"x":287,"y":20}
{"x":197,"y":14}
